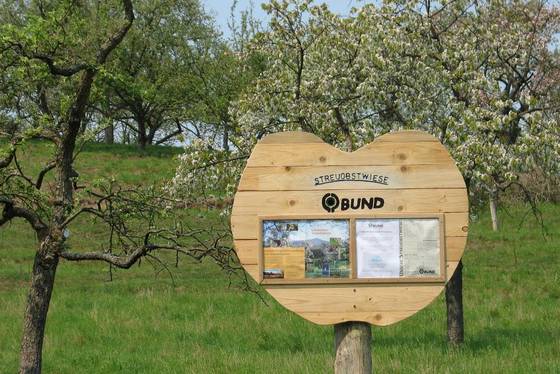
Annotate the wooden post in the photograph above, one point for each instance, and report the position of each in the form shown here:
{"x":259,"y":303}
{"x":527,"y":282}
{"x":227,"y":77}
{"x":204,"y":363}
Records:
{"x":353,"y":348}
{"x":454,"y":301}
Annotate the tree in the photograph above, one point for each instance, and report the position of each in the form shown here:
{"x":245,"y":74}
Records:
{"x":480,"y":76}
{"x":503,"y":77}
{"x":223,"y":72}
{"x":52,"y":56}
{"x":151,"y":89}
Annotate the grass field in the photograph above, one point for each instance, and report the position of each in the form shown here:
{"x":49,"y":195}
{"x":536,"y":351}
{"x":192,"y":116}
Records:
{"x":139,"y":323}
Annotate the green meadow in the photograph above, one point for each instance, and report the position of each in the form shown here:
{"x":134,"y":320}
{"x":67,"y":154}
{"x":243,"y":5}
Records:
{"x":143,"y":322}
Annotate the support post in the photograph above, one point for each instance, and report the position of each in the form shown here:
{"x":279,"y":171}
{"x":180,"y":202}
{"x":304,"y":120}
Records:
{"x":454,"y":301}
{"x":353,"y":348}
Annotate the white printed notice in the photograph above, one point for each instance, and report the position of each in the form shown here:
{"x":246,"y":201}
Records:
{"x":420,"y":247}
{"x":377,"y":247}
{"x":392,"y":248}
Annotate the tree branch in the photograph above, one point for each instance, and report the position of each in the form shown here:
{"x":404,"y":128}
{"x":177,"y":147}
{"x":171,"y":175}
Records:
{"x":171,"y":135}
{"x":77,"y":111}
{"x":42,"y":174}
{"x":7,"y":160}
{"x":11,"y":211}
{"x":20,"y":171}
{"x":123,"y":262}
{"x":66,"y":71}
{"x":118,"y":36}
{"x":214,"y":163}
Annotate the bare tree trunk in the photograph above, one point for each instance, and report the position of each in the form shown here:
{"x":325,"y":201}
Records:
{"x":110,"y":134}
{"x":142,"y":135}
{"x":126,"y":135}
{"x":225,"y":139}
{"x":454,"y":301}
{"x":353,"y":348}
{"x":151,"y":134}
{"x":493,"y":197}
{"x":38,"y":299}
{"x":142,"y":140}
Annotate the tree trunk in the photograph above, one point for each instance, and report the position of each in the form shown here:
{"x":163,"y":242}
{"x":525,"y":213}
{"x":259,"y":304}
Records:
{"x":126,"y":135}
{"x":225,"y":139}
{"x":454,"y":301}
{"x":353,"y":348}
{"x":110,"y":134}
{"x":151,"y":134}
{"x":494,"y":209}
{"x":142,"y":135}
{"x":38,"y":300}
{"x":142,"y":140}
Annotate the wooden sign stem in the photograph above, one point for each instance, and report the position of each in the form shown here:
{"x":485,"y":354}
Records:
{"x":352,"y":342}
{"x":454,"y":297}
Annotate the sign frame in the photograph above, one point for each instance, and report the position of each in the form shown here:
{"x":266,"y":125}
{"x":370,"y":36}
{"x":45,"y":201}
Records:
{"x":279,"y":182}
{"x":353,"y":279}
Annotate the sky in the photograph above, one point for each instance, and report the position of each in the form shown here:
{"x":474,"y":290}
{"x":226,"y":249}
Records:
{"x":220,"y":9}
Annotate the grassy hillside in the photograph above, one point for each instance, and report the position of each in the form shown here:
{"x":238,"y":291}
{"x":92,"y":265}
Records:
{"x":142,"y":323}
{"x":125,"y":162}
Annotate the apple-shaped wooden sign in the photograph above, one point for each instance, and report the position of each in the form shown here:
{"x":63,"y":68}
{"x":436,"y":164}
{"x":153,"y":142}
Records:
{"x":372,"y":235}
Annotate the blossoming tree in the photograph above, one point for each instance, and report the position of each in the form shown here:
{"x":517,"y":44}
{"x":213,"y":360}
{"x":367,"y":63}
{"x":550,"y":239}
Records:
{"x":482,"y":76}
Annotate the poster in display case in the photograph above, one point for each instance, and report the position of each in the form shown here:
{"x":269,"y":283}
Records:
{"x":306,"y":249}
{"x":352,"y":249}
{"x":393,"y":248}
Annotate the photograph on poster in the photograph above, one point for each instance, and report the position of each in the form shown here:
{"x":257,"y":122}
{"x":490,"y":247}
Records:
{"x":393,"y":248}
{"x":300,"y":249}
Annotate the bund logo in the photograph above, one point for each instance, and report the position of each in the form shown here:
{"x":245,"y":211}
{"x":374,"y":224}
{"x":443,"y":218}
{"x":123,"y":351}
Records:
{"x":332,"y":202}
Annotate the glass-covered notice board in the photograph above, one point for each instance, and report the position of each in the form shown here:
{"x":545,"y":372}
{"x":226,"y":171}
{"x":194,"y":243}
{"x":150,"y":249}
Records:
{"x":354,"y":249}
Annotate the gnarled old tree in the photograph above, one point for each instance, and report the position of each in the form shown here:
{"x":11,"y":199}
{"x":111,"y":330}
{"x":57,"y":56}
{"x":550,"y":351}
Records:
{"x":52,"y":55}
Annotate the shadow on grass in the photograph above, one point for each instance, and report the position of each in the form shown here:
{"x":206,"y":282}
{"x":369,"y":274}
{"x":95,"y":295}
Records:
{"x":493,"y":338}
{"x":504,"y":339}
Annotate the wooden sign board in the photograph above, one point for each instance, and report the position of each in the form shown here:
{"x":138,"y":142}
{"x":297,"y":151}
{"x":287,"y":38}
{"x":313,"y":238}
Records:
{"x":372,"y":235}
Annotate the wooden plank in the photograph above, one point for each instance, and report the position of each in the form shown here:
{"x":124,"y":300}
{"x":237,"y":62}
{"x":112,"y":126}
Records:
{"x":407,"y":136}
{"x":289,"y":178}
{"x":378,"y":318}
{"x":357,"y":281}
{"x":247,"y":251}
{"x":457,"y":224}
{"x":309,"y":202}
{"x":353,"y":254}
{"x":290,"y":137}
{"x":315,"y":154}
{"x":247,"y":226}
{"x":290,"y":260}
{"x":253,"y":271}
{"x":357,"y":298}
{"x":455,"y":245}
{"x":451,"y":266}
